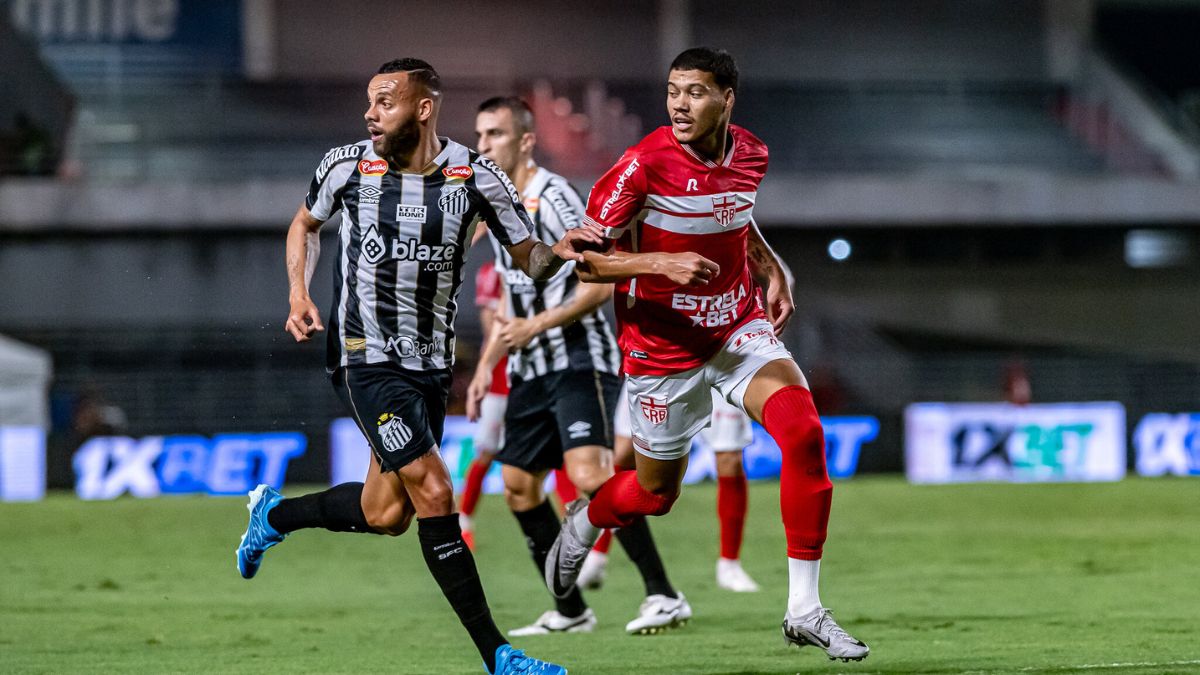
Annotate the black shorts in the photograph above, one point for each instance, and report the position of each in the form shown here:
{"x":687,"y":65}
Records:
{"x":401,"y":412}
{"x":555,"y":412}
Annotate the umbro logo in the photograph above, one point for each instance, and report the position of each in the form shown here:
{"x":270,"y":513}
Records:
{"x":579,"y":429}
{"x":369,"y":194}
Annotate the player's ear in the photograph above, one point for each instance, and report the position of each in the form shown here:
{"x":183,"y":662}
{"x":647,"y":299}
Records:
{"x":425,"y":109}
{"x":729,"y":99}
{"x":528,"y":140}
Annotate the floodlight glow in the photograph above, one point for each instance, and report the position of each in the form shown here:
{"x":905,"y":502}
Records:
{"x":839,"y":249}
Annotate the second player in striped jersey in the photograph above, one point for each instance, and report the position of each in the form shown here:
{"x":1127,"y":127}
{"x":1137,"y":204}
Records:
{"x":562,"y":369}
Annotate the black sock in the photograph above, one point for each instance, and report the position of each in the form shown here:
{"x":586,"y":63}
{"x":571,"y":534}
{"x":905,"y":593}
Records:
{"x":453,"y":567}
{"x":540,"y":525}
{"x":639,"y":545}
{"x":338,"y":509}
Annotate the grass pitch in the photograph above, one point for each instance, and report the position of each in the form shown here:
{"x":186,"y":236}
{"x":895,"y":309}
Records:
{"x":982,"y":579}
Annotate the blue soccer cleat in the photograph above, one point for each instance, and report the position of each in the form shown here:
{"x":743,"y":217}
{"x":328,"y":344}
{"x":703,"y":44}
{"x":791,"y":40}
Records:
{"x":259,"y":535}
{"x":511,"y":661}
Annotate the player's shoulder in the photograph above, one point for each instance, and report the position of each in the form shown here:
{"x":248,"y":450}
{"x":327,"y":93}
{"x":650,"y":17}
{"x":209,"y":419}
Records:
{"x":749,"y":145}
{"x":657,"y":144}
{"x":341,"y":155}
{"x":486,"y":175}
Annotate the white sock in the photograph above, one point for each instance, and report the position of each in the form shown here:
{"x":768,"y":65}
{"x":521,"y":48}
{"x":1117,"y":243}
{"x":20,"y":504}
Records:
{"x":583,"y":525}
{"x":803,"y":578}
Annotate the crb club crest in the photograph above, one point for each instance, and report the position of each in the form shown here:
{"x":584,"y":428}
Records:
{"x":394,"y":433}
{"x":654,"y":411}
{"x":724,"y":209}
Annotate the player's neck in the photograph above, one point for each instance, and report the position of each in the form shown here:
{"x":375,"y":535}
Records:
{"x":419,"y":157}
{"x":714,"y":146}
{"x":523,"y":173}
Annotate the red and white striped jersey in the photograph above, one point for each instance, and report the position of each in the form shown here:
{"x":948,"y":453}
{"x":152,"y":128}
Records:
{"x":663,"y":197}
{"x":487,"y":296}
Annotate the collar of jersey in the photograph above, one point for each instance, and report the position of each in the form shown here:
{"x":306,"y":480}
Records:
{"x":708,"y":163}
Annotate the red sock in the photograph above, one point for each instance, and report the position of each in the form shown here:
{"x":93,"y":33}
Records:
{"x":731,"y":511}
{"x":473,"y":486}
{"x":622,"y":498}
{"x":565,"y":488}
{"x":805,"y":492}
{"x":603,"y":542}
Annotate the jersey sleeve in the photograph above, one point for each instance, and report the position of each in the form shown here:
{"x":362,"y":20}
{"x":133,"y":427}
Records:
{"x":618,"y":196}
{"x":501,"y":209}
{"x":561,"y":208}
{"x":329,"y":182}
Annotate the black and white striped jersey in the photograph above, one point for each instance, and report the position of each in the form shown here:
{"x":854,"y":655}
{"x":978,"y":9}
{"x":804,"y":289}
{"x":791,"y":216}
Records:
{"x":401,"y":247}
{"x":586,"y":344}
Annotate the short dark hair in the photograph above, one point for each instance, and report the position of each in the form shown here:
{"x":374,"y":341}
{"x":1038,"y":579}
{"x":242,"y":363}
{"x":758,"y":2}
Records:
{"x":418,"y":71}
{"x":716,"y":61}
{"x":521,"y":112}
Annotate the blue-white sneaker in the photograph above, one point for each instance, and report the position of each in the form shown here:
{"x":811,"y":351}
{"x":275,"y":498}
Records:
{"x":259,"y":535}
{"x":511,"y":661}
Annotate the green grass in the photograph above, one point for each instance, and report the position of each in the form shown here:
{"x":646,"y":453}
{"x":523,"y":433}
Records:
{"x":977,"y":578}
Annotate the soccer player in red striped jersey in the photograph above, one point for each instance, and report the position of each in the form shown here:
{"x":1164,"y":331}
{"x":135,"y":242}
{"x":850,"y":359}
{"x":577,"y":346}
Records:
{"x":685,"y":257}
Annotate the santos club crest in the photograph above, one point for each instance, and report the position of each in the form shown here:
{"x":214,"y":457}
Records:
{"x":724,"y":209}
{"x":394,"y":433}
{"x":654,"y":411}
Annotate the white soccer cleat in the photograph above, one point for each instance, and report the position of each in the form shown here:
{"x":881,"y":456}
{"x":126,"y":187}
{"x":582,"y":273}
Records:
{"x":659,"y":613}
{"x":595,"y":567}
{"x":554,"y":622}
{"x":817,"y":628}
{"x":731,"y":577}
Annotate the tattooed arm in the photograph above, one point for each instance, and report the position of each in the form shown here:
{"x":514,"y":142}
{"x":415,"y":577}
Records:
{"x":773,"y":276}
{"x":303,"y":249}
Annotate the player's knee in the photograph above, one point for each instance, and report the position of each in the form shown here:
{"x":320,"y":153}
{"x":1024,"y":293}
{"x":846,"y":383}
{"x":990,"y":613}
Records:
{"x":658,"y":499}
{"x":587,"y":478}
{"x":521,"y":497}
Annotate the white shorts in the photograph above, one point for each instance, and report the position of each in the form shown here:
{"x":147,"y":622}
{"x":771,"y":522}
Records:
{"x":621,"y":414}
{"x":666,"y":411}
{"x":490,"y":432}
{"x":730,"y":428}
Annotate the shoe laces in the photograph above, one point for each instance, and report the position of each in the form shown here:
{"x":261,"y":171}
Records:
{"x":825,"y":622}
{"x":519,"y":663}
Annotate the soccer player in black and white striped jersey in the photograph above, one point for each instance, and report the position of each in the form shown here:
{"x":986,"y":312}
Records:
{"x":409,"y":201}
{"x":562,"y":365}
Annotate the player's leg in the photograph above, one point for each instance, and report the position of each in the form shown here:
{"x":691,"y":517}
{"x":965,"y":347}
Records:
{"x":540,"y":525}
{"x":729,"y":432}
{"x":595,"y":565}
{"x":487,"y":440}
{"x":428,"y":484}
{"x":759,"y":374}
{"x":563,"y":487}
{"x":672,"y":413}
{"x":338,"y":509}
{"x":531,"y":449}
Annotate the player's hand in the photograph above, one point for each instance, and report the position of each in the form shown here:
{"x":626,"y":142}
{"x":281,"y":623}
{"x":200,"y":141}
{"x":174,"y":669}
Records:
{"x":575,"y":241}
{"x":689,"y":269}
{"x":780,"y":306}
{"x":303,"y":320}
{"x":516,"y":333}
{"x":480,"y":383}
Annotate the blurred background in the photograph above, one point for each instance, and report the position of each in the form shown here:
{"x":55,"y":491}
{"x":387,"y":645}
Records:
{"x":982,"y":202}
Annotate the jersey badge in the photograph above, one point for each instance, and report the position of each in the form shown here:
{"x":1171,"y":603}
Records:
{"x":394,"y":433}
{"x":377,"y":167}
{"x":454,"y":199}
{"x":369,"y":194}
{"x":654,"y":411}
{"x":724,"y":209}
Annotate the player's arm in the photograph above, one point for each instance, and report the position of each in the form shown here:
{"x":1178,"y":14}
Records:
{"x":774,"y":276}
{"x":493,"y":350}
{"x":541,"y":262}
{"x":685,"y":269}
{"x":302,"y":250}
{"x":516,"y":333}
